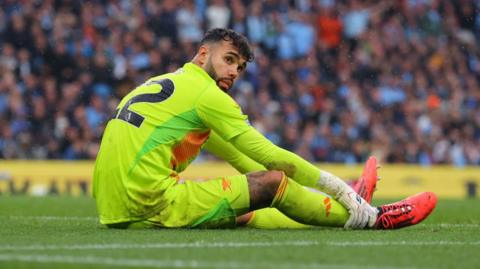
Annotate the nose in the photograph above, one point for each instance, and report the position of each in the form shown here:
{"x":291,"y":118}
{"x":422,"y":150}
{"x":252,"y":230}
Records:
{"x":233,"y":72}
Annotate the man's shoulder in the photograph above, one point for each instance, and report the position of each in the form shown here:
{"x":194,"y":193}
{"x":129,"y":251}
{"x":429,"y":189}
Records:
{"x":188,"y":77}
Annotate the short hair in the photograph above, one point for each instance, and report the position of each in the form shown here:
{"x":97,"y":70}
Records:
{"x":238,"y":40}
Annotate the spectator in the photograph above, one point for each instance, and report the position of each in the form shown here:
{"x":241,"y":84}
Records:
{"x":217,"y":14}
{"x":189,"y":22}
{"x":329,"y":28}
{"x":333,"y":81}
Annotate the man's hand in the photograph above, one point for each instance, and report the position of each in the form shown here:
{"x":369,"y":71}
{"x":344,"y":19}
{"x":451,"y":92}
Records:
{"x":361,"y":213}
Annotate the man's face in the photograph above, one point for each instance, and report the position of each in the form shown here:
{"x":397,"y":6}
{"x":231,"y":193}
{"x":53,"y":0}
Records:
{"x":224,"y":64}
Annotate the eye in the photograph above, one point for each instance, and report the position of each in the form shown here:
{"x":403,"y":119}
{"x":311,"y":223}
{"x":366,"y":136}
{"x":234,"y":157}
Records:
{"x":229,"y":59}
{"x":240,"y":68}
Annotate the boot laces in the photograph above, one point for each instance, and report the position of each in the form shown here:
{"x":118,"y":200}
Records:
{"x":392,"y":212}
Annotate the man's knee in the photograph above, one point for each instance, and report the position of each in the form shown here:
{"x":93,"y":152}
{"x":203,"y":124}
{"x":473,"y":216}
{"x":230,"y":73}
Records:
{"x":263,"y":187}
{"x":267,"y":179}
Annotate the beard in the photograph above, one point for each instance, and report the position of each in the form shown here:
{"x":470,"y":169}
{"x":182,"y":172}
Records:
{"x":213,"y":74}
{"x":210,"y":69}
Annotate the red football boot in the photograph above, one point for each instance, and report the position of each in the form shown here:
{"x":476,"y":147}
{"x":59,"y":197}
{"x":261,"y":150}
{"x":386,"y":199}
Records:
{"x":365,"y":185}
{"x":409,"y":211}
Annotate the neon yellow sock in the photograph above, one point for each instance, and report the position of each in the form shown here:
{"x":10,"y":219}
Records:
{"x":271,"y":218}
{"x":308,"y":207}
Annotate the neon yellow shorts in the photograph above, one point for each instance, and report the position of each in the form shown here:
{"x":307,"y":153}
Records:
{"x":213,"y":203}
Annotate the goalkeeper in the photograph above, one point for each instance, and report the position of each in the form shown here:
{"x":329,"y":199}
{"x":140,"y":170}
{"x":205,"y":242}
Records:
{"x":160,"y":127}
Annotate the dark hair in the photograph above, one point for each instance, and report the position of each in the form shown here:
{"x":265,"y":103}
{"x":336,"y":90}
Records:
{"x":238,"y":40}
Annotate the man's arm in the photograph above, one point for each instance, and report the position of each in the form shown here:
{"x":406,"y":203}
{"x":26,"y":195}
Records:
{"x":258,"y":148}
{"x":227,"y":152}
{"x":272,"y":157}
{"x":222,"y":114}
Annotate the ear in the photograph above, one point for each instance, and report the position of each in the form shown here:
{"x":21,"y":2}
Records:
{"x":202,"y":54}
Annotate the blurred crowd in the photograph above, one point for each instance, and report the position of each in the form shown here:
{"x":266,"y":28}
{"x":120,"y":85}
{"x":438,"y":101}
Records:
{"x":333,"y":80}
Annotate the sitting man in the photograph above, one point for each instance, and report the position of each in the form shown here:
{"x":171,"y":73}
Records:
{"x":160,"y":127}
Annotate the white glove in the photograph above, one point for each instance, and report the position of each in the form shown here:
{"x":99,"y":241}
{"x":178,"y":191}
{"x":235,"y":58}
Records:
{"x":361,"y":213}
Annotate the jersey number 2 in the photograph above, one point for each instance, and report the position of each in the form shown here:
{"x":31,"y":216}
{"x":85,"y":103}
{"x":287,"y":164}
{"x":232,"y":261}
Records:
{"x":136,"y":119}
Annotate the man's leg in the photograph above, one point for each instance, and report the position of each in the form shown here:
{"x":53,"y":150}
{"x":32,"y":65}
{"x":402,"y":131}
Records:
{"x":273,"y":188}
{"x":213,"y":203}
{"x":306,"y":207}
{"x":271,"y":218}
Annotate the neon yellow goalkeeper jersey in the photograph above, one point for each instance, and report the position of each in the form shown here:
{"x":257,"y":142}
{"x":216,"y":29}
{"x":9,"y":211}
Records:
{"x":159,"y":128}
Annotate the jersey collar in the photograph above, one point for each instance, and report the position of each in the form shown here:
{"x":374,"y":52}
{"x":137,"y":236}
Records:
{"x":197,"y":69}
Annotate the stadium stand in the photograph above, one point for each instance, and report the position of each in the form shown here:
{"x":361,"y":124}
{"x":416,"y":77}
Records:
{"x":346,"y":79}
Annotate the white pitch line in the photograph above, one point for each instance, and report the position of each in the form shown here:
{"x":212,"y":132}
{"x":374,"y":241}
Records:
{"x":402,"y":243}
{"x":455,"y":225}
{"x":224,"y":245}
{"x":198,"y":244}
{"x":160,"y":263}
{"x":87,"y":218}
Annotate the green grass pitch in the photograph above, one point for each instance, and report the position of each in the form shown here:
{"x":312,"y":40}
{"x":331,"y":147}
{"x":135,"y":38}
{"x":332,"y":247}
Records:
{"x":63,"y":232}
